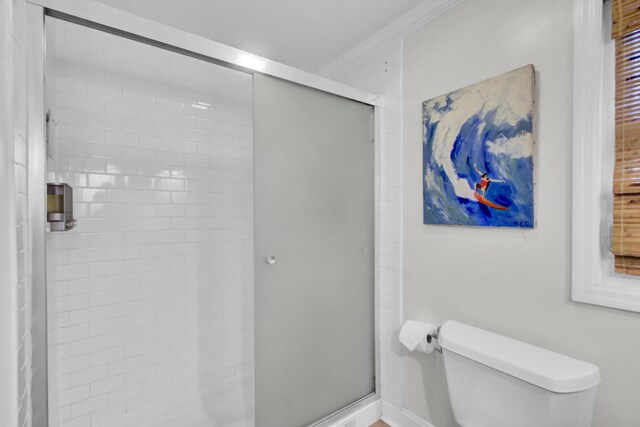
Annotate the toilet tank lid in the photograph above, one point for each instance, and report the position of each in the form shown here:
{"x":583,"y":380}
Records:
{"x":546,"y":369}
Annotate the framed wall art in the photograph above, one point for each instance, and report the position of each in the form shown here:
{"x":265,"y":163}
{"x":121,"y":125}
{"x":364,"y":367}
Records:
{"x":478,"y":146}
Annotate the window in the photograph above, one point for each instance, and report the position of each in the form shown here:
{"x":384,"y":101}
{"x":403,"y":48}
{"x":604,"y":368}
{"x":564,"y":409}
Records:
{"x":594,"y":278}
{"x":626,"y":176}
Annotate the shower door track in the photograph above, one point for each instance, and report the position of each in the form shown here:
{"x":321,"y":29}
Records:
{"x":100,"y":17}
{"x":349,"y":409}
{"x":115,"y":21}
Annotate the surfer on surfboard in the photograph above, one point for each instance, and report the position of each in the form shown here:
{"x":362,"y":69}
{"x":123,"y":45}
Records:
{"x":485,"y":181}
{"x":483,"y":185}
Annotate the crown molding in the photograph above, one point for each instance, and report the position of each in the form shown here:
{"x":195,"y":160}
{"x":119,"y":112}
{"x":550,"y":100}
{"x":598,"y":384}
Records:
{"x":408,"y":22}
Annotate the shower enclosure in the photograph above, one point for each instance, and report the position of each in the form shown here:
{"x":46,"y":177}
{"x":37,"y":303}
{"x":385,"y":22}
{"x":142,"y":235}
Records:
{"x":221,"y":271}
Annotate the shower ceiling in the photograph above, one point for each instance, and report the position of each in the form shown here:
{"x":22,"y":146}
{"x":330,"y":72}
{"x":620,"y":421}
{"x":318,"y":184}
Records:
{"x":303,"y":34}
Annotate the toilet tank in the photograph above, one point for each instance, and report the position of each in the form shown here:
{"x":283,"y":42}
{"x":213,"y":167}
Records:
{"x":495,"y":381}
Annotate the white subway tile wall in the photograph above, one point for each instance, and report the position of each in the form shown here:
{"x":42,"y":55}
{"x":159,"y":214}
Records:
{"x":379,"y":72}
{"x":14,"y":40}
{"x":151,"y":295}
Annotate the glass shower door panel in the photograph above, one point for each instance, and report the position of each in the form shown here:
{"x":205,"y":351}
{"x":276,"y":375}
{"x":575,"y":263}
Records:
{"x":151,"y":295}
{"x":314,"y":236}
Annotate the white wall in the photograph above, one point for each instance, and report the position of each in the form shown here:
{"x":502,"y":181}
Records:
{"x":151,"y":295}
{"x":513,"y":282}
{"x":15,"y":292}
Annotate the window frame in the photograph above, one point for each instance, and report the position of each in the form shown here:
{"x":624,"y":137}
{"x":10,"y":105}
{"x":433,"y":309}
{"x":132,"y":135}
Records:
{"x":593,"y":278}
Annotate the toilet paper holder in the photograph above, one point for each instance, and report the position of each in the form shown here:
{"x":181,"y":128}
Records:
{"x":434,"y":336}
{"x":419,"y":336}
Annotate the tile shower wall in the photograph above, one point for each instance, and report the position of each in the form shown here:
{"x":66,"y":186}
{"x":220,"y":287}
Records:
{"x":15,"y":297}
{"x":20,"y":162}
{"x":152,"y":294}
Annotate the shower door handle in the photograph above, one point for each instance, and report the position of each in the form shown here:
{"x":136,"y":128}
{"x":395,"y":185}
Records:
{"x":270,"y":259}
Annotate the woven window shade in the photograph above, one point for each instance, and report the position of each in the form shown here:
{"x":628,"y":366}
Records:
{"x":626,"y":178}
{"x":625,"y":16}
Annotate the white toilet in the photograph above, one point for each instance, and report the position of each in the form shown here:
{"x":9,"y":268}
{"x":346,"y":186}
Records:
{"x":495,"y":381}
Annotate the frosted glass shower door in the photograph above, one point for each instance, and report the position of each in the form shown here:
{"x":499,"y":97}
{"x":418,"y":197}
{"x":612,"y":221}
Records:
{"x":314,"y":266}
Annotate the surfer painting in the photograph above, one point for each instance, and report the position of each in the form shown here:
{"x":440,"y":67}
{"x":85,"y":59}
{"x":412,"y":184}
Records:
{"x":477,"y":152}
{"x":483,"y":186}
{"x":485,"y":181}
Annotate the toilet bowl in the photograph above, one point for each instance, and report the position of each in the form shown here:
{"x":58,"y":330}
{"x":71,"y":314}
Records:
{"x":495,"y":381}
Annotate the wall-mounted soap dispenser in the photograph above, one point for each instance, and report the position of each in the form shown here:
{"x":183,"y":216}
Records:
{"x":60,"y":207}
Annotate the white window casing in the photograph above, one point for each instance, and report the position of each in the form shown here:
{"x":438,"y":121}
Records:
{"x":593,"y":278}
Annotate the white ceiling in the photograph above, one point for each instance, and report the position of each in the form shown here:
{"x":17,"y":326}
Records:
{"x":302,"y":33}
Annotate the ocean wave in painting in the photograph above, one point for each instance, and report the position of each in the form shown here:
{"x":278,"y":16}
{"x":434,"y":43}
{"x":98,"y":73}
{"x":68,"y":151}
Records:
{"x":486,"y":128}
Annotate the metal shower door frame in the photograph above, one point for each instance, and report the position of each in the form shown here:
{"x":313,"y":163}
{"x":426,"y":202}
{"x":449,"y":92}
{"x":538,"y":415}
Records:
{"x":102,"y":18}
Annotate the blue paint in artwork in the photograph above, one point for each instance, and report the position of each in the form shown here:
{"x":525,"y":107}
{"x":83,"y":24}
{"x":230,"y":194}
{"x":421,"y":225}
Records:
{"x":499,"y":148}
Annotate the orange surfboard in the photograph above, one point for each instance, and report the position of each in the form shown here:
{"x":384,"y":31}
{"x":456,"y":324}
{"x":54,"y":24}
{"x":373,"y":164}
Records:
{"x":488,"y":203}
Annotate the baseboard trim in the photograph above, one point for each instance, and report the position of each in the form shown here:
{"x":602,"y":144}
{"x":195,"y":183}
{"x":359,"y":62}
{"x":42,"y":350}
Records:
{"x":401,"y":418}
